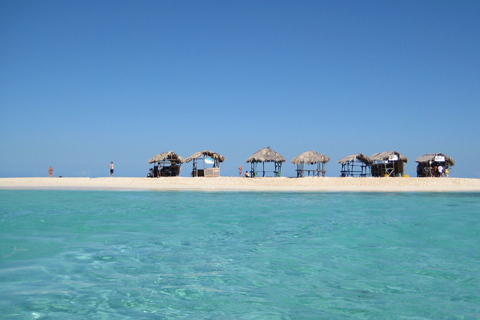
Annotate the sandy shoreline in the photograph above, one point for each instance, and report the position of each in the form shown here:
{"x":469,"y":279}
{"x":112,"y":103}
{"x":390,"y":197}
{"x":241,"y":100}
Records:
{"x":245,"y":184}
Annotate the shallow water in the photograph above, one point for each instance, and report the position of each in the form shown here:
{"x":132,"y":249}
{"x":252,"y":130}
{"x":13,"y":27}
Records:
{"x":238,"y":255}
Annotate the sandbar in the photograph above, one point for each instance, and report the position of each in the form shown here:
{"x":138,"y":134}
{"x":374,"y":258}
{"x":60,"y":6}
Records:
{"x":307,"y":184}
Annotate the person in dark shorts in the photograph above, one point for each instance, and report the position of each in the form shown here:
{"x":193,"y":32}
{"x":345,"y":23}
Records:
{"x":112,"y":174}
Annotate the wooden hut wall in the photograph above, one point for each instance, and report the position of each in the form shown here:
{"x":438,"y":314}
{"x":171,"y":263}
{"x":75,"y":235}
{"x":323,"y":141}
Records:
{"x":200,"y":165}
{"x":204,"y":171}
{"x":399,"y":168}
{"x":388,"y":169}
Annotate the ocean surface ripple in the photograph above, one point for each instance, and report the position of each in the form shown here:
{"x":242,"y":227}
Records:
{"x":238,"y":255}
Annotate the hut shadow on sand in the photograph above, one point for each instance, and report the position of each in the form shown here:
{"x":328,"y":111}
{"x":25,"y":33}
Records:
{"x":166,"y":164}
{"x":356,"y":165}
{"x":201,"y":161}
{"x":434,"y":165}
{"x":266,"y":155}
{"x":388,"y":164}
{"x":311,"y":158}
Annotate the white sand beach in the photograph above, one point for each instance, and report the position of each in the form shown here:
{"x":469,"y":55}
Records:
{"x":249,"y":184}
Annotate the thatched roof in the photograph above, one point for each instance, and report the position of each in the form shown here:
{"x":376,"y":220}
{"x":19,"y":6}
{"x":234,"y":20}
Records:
{"x":383,"y":156}
{"x":431,"y":157}
{"x":207,"y":153}
{"x":266,"y":155}
{"x":356,"y":157}
{"x":167,"y":156}
{"x":310,"y":157}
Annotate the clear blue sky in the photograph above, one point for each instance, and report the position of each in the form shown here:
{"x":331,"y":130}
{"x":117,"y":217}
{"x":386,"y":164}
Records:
{"x":83,"y":83}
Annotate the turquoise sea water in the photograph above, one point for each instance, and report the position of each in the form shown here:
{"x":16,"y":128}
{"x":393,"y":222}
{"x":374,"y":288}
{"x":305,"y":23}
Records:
{"x":239,"y":255}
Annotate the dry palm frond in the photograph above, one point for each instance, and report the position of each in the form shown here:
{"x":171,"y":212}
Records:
{"x":266,"y":155}
{"x":310,"y":157}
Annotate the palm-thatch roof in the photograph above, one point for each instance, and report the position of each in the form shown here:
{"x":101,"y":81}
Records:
{"x":207,"y":153}
{"x":383,"y":156}
{"x":310,"y":157}
{"x":266,"y":155}
{"x":354,"y":157}
{"x":167,"y":156}
{"x":432,"y":157}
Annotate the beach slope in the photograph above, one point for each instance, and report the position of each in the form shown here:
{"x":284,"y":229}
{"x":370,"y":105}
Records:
{"x":249,"y":184}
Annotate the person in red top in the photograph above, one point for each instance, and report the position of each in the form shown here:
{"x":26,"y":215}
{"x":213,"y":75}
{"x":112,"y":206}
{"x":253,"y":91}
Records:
{"x":50,"y":171}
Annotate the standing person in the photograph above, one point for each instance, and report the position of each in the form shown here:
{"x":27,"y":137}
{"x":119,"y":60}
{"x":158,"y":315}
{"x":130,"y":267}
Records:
{"x":240,"y":169}
{"x":50,"y":172}
{"x":440,"y":171}
{"x":112,"y":174}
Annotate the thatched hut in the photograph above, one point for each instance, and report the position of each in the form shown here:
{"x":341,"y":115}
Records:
{"x":388,"y":164}
{"x":356,"y":165}
{"x":205,"y":158}
{"x":434,"y":165}
{"x":166,"y":164}
{"x":311,"y":158}
{"x":266,"y":155}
